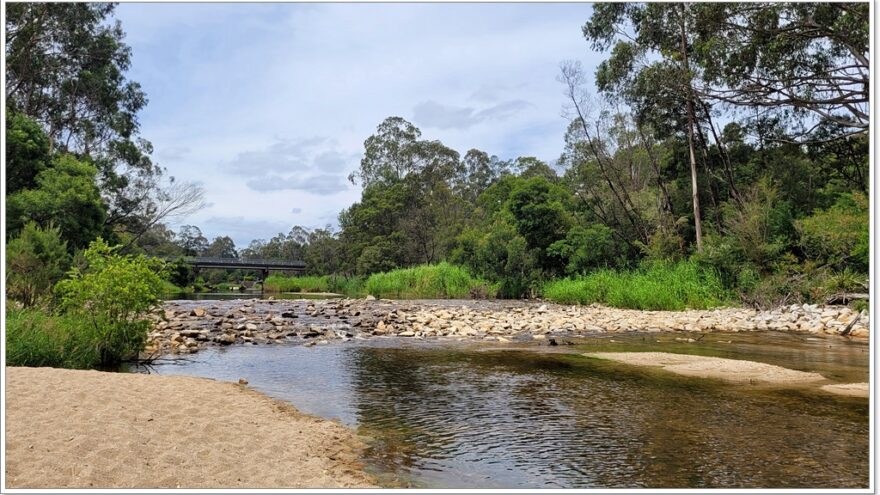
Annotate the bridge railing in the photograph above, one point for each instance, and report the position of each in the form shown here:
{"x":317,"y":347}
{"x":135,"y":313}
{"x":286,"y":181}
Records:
{"x":244,"y":262}
{"x":250,"y":262}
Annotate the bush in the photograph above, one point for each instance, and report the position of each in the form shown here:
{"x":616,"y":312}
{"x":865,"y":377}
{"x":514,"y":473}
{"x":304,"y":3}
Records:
{"x":113,"y":293}
{"x":839,"y":235}
{"x":440,"y":281}
{"x":655,"y":286}
{"x":35,"y":261}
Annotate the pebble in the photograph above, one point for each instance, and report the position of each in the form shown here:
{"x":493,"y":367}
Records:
{"x":180,"y":327}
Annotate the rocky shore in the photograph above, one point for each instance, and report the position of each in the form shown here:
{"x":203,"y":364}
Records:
{"x":187,"y":326}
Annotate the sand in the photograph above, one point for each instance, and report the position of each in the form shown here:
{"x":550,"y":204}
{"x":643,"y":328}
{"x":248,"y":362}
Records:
{"x":89,"y":429}
{"x":850,"y":389}
{"x":731,"y":370}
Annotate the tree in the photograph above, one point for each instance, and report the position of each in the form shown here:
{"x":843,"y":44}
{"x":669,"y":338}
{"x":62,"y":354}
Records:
{"x":388,"y":154}
{"x":191,"y":240}
{"x":158,"y":240}
{"x":660,"y":29}
{"x":805,"y":57}
{"x":35,"y":261}
{"x":27,"y":152}
{"x":221,"y":247}
{"x":176,"y":200}
{"x":65,"y":195}
{"x":66,"y":65}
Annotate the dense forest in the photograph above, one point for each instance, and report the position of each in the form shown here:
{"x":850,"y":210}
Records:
{"x":726,"y":141}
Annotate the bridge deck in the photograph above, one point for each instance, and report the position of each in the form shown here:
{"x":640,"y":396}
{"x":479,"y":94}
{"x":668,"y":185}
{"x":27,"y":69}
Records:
{"x":253,"y":264}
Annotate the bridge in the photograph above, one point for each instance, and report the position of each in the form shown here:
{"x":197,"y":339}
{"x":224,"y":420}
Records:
{"x":263,"y":266}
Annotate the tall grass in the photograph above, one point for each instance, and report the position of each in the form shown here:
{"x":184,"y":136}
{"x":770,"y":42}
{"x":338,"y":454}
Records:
{"x":37,"y":338}
{"x":278,"y":283}
{"x":657,"y":286}
{"x":440,"y":281}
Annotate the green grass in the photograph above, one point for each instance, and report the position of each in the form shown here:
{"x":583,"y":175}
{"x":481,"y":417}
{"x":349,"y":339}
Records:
{"x":170,"y":288}
{"x":659,"y":286}
{"x":37,"y":338}
{"x":440,"y":281}
{"x":278,"y":283}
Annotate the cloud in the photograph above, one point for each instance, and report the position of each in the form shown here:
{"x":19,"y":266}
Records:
{"x":331,"y":161}
{"x":433,"y":114}
{"x":296,"y":211}
{"x":241,"y":229}
{"x":312,"y":165}
{"x":316,"y":184}
{"x":284,"y":155}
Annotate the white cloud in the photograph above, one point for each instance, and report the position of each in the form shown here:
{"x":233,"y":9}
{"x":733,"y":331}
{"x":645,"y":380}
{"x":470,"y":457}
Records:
{"x":268,"y":105}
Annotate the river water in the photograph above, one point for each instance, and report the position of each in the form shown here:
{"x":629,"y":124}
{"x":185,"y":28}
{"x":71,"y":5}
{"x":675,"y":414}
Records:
{"x":474,"y":416}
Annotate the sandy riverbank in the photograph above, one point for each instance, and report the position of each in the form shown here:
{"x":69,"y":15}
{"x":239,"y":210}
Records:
{"x":89,"y":429}
{"x":731,"y":370}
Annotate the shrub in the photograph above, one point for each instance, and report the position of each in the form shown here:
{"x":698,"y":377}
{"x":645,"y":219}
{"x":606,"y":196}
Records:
{"x":839,"y":235}
{"x":654,"y":286}
{"x":442,"y":280}
{"x":113,"y":293}
{"x":585,"y":249}
{"x":760,"y":229}
{"x":35,"y":261}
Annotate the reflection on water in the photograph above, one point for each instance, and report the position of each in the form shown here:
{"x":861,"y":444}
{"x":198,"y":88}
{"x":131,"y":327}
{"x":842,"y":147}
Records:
{"x":458,"y":417}
{"x":245,"y":294}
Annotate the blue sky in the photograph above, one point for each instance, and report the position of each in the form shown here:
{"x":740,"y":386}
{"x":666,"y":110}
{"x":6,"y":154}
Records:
{"x":268,"y":105}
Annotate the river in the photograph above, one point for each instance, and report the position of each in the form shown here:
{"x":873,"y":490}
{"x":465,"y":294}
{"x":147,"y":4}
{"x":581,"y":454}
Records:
{"x":478,"y":416}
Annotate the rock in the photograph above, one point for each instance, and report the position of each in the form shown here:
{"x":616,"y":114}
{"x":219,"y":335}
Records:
{"x":169,"y":313}
{"x":225,"y":339}
{"x":408,"y":333}
{"x":242,"y":381}
{"x":197,"y":312}
{"x":370,"y":297}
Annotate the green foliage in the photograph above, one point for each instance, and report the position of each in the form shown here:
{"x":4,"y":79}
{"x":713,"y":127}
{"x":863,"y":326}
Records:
{"x":441,"y":281}
{"x":277,"y":283}
{"x":838,"y":235}
{"x":35,"y":337}
{"x":27,"y":152}
{"x":66,"y":67}
{"x":655,"y":286}
{"x":761,"y":227}
{"x":35,"y":261}
{"x":65,"y":195}
{"x":113,"y":293}
{"x":585,"y":249}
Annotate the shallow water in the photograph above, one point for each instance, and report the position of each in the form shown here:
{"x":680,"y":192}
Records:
{"x":472,"y":416}
{"x":247,"y":294}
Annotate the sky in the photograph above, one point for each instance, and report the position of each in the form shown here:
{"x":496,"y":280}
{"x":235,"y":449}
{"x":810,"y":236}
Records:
{"x":268,"y":105}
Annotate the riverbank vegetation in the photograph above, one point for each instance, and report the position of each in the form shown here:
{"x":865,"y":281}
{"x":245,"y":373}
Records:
{"x":693,"y":173}
{"x":657,"y":286}
{"x":680,"y":157}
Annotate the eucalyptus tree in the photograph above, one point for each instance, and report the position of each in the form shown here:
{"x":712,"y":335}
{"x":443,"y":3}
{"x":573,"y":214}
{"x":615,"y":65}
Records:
{"x":650,"y":67}
{"x":803,"y":58}
{"x":66,"y":65}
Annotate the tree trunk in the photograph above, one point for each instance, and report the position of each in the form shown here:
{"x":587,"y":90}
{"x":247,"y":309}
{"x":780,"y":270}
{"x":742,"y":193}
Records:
{"x":693,"y":158}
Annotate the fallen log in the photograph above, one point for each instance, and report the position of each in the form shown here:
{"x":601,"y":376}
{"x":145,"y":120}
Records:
{"x":845,"y":298}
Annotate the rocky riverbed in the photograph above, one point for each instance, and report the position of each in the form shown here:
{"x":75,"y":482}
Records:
{"x":187,"y":326}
